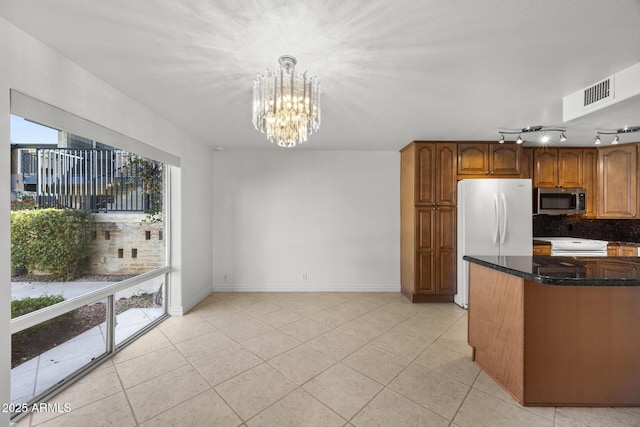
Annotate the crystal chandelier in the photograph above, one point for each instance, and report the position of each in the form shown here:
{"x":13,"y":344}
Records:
{"x":286,"y":106}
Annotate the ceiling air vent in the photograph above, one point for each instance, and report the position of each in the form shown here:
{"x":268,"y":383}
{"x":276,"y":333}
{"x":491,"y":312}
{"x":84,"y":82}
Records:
{"x":604,"y":93}
{"x":598,"y":92}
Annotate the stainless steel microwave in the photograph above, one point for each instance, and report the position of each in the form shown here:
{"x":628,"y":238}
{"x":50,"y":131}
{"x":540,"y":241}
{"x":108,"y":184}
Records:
{"x":559,"y":201}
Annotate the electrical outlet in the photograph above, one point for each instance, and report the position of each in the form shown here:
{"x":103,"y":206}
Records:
{"x":304,"y":276}
{"x":225,"y":277}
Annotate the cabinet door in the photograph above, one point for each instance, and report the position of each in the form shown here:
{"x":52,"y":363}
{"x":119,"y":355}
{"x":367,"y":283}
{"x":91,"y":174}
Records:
{"x":426,"y":188}
{"x":613,"y":250}
{"x":426,"y":251}
{"x":504,"y":159}
{"x":545,"y":172}
{"x":445,"y":170}
{"x":570,"y":168}
{"x":589,"y":179}
{"x":628,"y":251}
{"x":526,"y":166}
{"x":426,"y":273}
{"x":436,"y":251}
{"x":473,"y":159}
{"x":445,"y":277}
{"x":425,"y":229}
{"x":617,"y":269}
{"x":617,"y":178}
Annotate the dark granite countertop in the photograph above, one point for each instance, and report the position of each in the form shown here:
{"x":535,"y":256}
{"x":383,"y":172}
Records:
{"x":566,"y":271}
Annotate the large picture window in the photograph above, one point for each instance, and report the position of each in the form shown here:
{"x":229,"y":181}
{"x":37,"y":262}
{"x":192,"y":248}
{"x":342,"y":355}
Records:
{"x":89,"y":245}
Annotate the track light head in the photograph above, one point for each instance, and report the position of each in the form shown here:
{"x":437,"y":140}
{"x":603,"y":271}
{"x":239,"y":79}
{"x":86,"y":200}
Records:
{"x":545,"y":131}
{"x":616,"y":140}
{"x":598,"y":141}
{"x":501,"y":140}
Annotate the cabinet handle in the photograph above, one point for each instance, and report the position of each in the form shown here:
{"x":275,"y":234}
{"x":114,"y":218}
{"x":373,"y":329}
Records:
{"x":491,"y":172}
{"x":486,"y":173}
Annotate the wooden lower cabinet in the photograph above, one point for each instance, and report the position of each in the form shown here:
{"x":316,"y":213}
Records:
{"x":551,"y":345}
{"x":435,"y":278}
{"x":622,"y":250}
{"x":541,"y":250}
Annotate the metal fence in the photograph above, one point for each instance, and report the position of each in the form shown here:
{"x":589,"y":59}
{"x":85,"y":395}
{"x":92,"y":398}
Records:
{"x":93,"y":180}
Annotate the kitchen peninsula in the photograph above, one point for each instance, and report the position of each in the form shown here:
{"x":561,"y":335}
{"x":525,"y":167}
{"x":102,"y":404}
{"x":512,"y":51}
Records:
{"x":558,"y":331}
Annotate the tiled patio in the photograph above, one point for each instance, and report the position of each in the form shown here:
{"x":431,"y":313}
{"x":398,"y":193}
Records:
{"x":306,"y":359}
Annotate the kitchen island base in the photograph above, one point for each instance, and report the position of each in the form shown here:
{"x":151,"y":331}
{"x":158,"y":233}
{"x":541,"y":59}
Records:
{"x":556,"y":345}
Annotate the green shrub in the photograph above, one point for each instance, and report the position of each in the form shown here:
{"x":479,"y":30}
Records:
{"x":27,"y":305}
{"x":20,"y":205}
{"x":52,"y":240}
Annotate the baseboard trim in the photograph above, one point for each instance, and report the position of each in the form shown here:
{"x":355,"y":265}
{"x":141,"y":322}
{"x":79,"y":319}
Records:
{"x":183,"y":309}
{"x":225,"y":287}
{"x":175,"y":311}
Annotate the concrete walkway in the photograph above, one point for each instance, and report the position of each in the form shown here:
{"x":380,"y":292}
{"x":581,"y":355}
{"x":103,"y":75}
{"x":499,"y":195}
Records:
{"x":38,"y":374}
{"x":68,"y":290}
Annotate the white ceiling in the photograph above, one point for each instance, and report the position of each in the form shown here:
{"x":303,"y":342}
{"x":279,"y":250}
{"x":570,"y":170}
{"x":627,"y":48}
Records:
{"x":391,"y":71}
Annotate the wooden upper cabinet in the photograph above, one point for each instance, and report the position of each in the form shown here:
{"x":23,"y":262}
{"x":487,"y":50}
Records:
{"x":570,"y":167}
{"x":426,"y":188}
{"x":558,"y":167}
{"x":590,"y":179}
{"x":526,"y":165}
{"x":545,"y":167}
{"x":489,"y":160}
{"x":504,"y":160}
{"x":617,"y":182}
{"x":473,"y":159}
{"x":436,"y":175}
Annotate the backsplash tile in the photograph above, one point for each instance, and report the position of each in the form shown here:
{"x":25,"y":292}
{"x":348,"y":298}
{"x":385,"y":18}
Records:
{"x":623,"y":230}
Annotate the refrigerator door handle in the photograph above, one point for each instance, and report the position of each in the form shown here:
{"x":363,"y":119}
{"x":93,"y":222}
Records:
{"x":497,"y":218}
{"x":503,"y":233}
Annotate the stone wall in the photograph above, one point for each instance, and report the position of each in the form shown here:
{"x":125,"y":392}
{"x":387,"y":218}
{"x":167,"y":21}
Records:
{"x":123,"y":244}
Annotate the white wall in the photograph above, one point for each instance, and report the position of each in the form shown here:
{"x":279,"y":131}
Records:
{"x":32,"y":68}
{"x":331,"y":214}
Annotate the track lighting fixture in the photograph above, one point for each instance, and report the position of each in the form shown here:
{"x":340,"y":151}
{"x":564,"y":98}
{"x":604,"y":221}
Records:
{"x":501,"y":140}
{"x":626,"y":129}
{"x":544,"y":130}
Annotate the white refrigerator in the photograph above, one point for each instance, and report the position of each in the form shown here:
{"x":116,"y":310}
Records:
{"x":494,"y":218}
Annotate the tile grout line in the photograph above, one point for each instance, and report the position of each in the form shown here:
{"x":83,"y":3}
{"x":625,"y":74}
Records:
{"x":379,"y":306}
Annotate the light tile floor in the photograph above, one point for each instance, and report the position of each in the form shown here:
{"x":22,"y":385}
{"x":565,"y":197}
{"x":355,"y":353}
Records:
{"x":306,"y":359}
